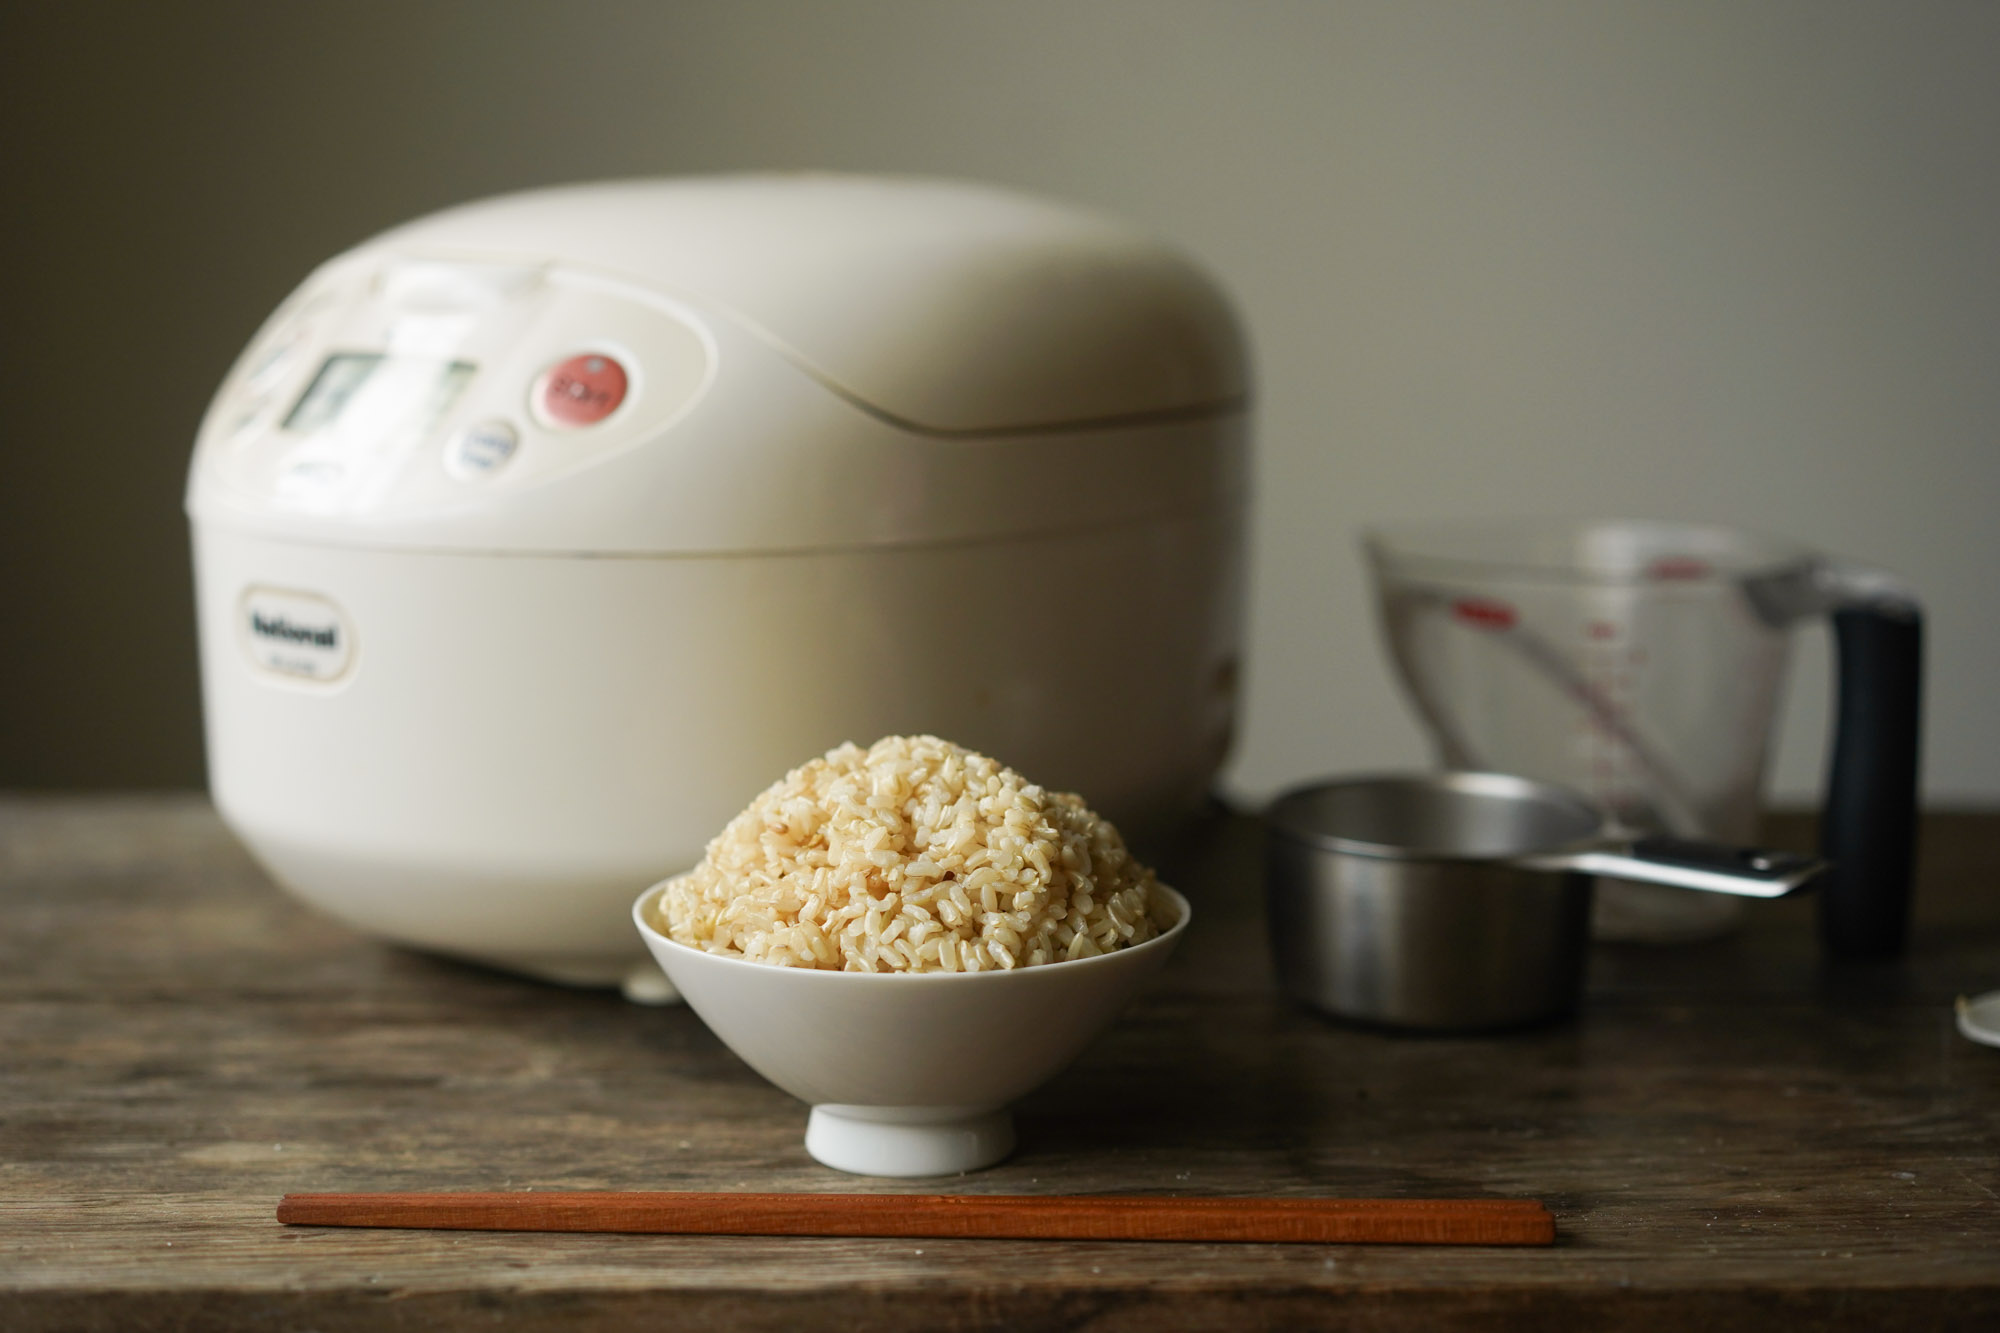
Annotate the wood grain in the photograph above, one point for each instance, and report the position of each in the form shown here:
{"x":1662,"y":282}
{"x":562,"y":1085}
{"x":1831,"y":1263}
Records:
{"x":1732,"y":1136}
{"x":944,"y":1216}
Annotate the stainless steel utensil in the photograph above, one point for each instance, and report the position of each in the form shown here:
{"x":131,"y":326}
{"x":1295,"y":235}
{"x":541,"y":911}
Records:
{"x":1462,"y":900}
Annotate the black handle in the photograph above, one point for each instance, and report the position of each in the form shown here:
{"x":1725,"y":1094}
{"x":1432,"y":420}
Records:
{"x":1868,"y":827}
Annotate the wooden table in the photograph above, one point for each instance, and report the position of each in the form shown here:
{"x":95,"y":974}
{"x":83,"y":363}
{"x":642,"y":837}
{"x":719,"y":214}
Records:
{"x":1732,"y":1136}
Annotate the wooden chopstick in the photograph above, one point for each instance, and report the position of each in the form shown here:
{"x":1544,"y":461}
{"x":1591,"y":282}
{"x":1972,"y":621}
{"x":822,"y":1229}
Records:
{"x":988,"y":1216}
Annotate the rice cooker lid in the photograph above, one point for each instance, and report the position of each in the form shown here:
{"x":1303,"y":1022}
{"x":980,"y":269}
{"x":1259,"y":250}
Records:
{"x":945,"y":307}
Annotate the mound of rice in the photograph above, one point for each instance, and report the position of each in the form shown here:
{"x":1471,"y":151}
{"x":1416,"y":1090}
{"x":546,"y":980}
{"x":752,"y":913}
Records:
{"x":914,"y":855}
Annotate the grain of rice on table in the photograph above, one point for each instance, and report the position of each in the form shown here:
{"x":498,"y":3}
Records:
{"x":914,"y":855}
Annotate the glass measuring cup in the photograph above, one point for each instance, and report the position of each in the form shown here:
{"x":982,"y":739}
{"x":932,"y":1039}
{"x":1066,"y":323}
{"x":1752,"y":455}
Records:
{"x":1640,"y":663}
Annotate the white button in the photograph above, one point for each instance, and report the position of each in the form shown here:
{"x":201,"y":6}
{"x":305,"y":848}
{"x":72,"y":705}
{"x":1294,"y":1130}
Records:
{"x":246,"y":421}
{"x":310,"y":476}
{"x":273,"y":362}
{"x":481,"y":450}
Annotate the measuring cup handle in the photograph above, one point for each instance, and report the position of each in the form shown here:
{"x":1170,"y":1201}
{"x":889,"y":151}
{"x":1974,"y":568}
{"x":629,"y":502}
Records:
{"x":1684,"y":863}
{"x":1868,"y":825}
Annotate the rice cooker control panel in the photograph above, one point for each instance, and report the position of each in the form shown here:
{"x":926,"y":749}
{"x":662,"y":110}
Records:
{"x":413,"y":386}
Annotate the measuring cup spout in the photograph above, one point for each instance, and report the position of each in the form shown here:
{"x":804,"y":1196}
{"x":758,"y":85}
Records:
{"x":1712,"y":867}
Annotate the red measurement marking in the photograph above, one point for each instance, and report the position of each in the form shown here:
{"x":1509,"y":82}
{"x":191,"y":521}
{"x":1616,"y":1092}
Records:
{"x":1679,"y":567}
{"x":1601,"y":629}
{"x":1483,"y":613}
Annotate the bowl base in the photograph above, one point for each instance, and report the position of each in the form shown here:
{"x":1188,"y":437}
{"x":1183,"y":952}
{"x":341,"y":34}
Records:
{"x":908,"y":1140}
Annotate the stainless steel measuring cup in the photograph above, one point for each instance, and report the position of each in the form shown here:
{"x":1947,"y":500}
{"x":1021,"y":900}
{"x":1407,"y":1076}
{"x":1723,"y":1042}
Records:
{"x":1462,"y":900}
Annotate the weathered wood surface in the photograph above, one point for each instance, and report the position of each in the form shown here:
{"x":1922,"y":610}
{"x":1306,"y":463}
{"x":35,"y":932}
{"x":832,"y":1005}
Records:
{"x":1731,"y":1135}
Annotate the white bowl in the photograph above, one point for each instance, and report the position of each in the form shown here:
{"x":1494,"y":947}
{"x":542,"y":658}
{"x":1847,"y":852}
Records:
{"x":908,"y":1074}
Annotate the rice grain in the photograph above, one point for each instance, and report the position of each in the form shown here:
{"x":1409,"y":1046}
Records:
{"x":914,"y":855}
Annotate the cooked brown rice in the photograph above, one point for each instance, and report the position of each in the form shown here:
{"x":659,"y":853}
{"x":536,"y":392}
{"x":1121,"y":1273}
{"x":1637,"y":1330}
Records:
{"x":915,"y":855}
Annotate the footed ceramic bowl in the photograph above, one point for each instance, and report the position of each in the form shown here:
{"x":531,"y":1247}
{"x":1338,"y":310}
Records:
{"x":908,"y":1074}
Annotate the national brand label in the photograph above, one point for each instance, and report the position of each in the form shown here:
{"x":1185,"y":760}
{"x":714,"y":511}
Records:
{"x":301,"y":635}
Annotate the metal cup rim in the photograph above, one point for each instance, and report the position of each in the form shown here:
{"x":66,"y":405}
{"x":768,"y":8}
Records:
{"x":1283,"y":822}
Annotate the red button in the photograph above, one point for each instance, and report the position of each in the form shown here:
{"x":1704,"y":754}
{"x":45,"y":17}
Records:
{"x":583,"y":390}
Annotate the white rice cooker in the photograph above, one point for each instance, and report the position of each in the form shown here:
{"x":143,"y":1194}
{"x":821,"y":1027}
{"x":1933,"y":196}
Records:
{"x":534,"y":538}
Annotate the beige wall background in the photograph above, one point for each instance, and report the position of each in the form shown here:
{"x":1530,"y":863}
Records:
{"x":1733,"y":262}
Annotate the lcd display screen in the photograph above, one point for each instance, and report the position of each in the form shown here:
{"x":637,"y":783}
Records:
{"x":377,"y":395}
